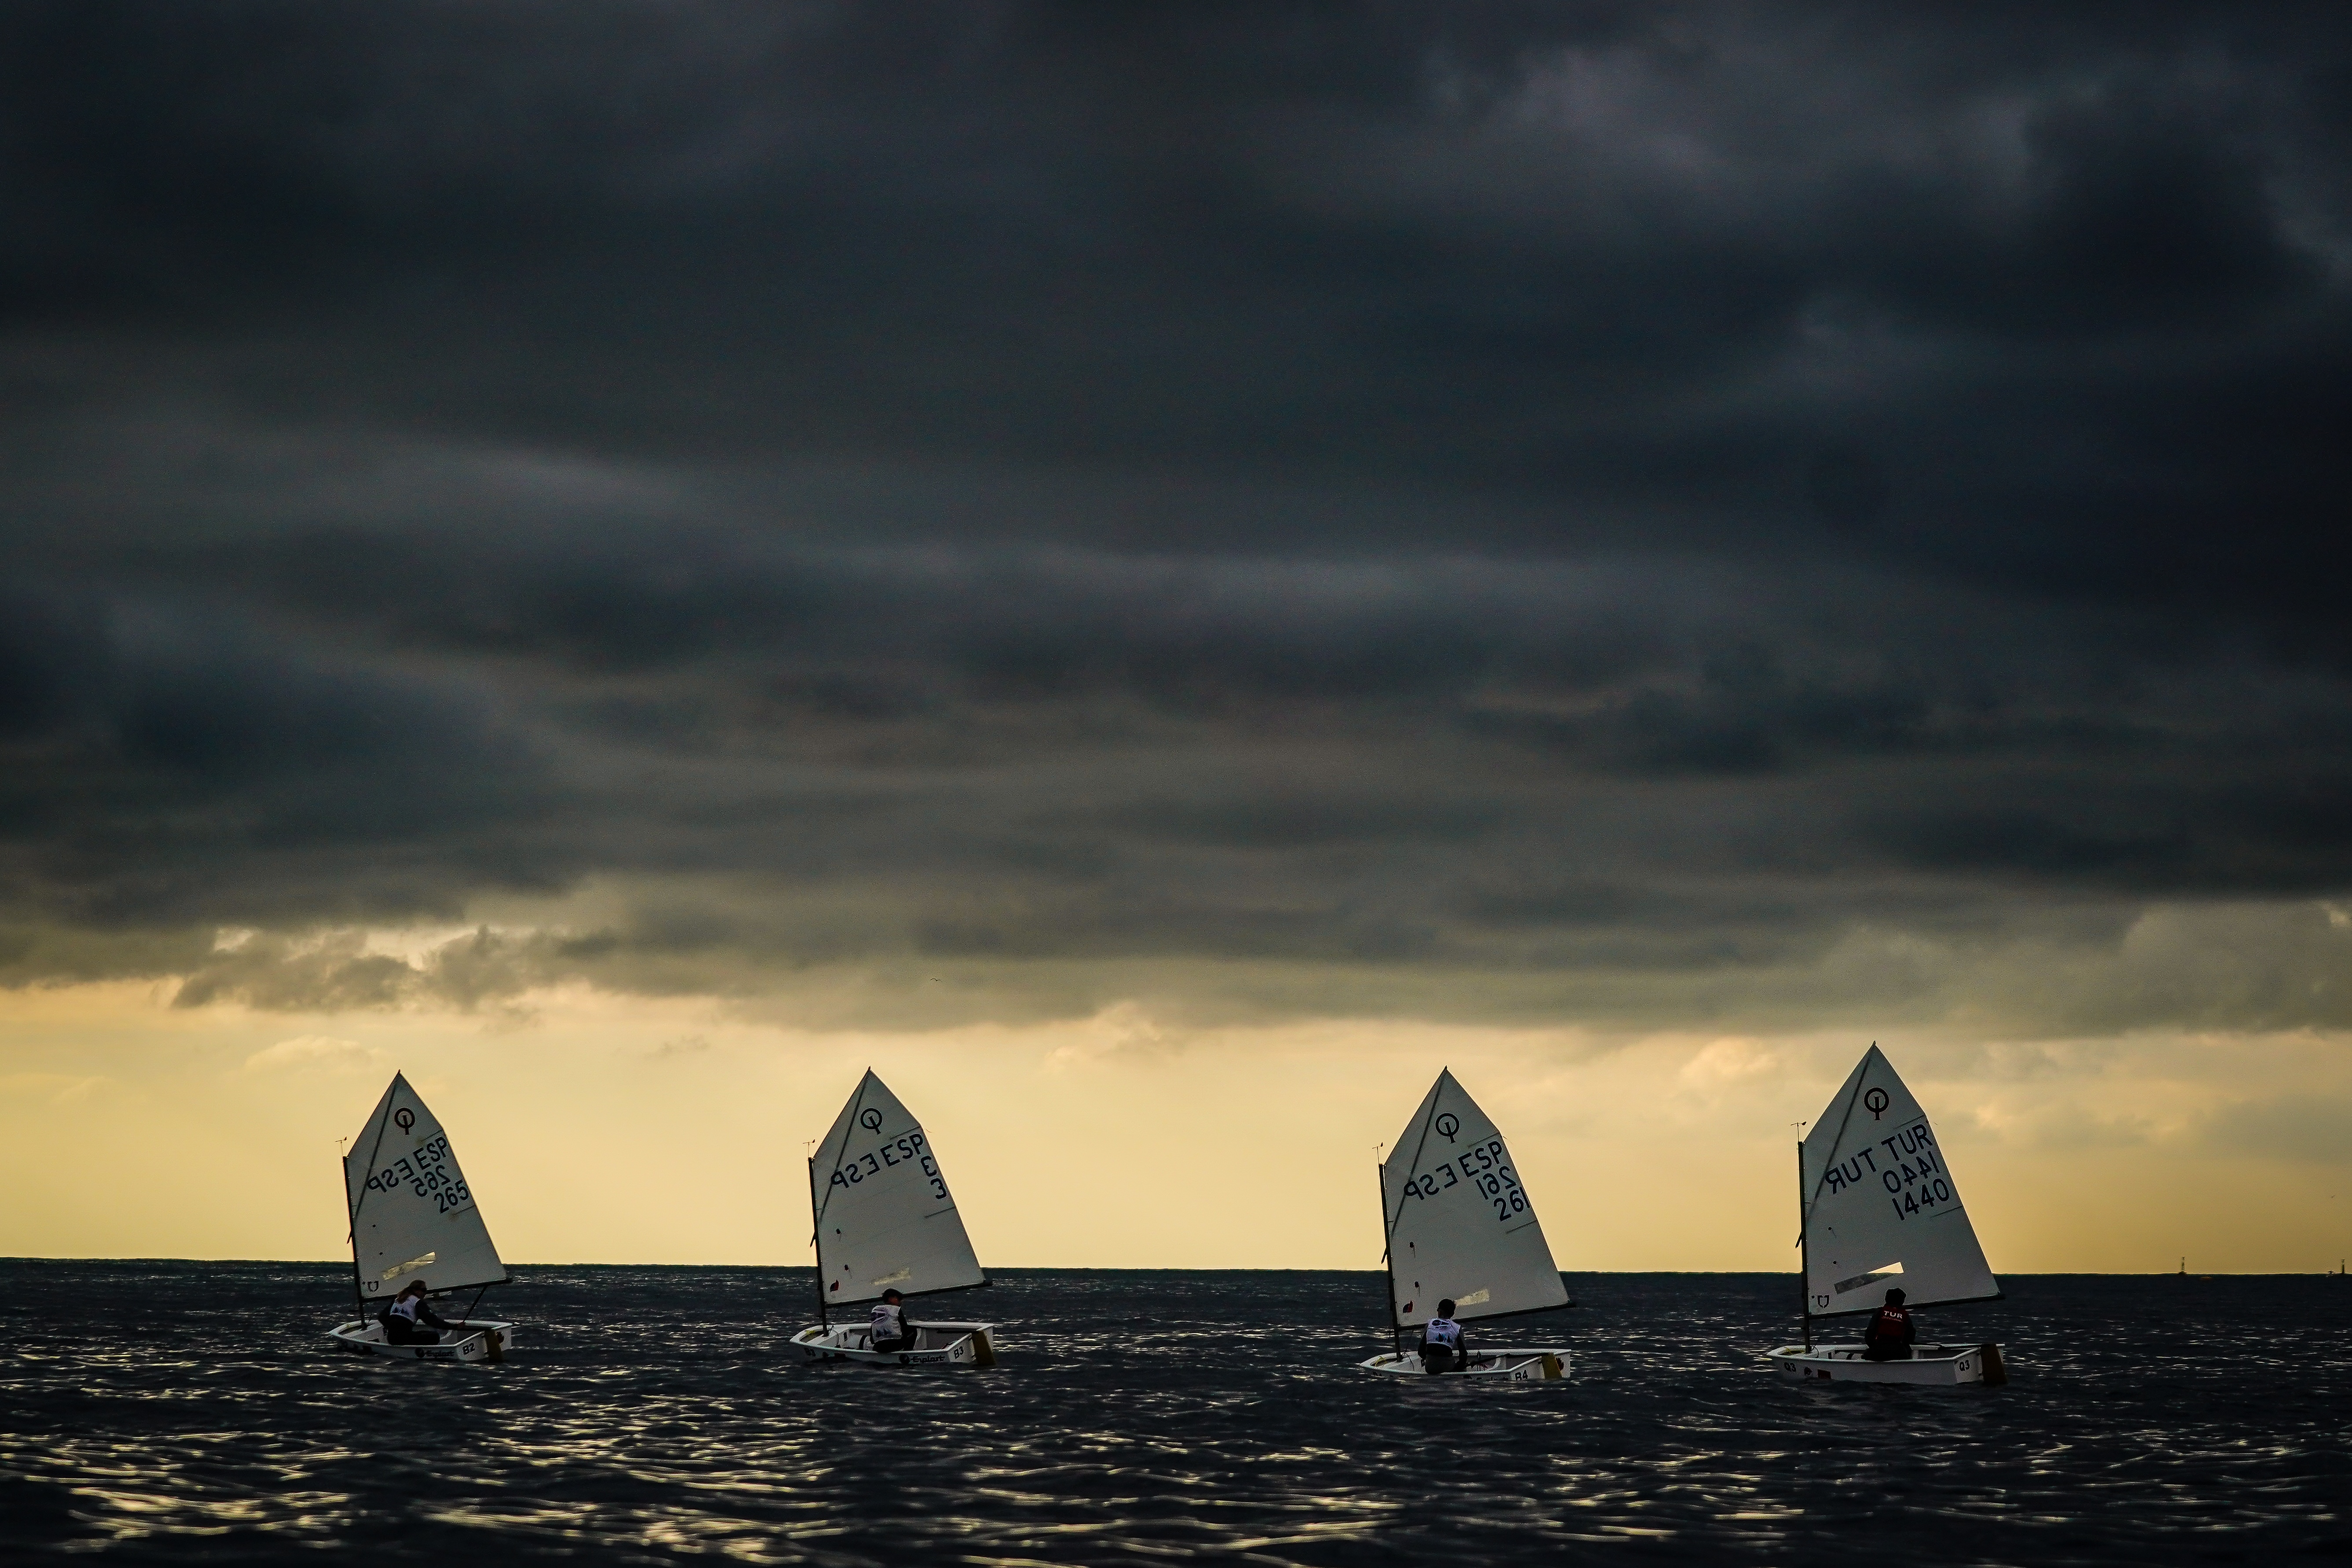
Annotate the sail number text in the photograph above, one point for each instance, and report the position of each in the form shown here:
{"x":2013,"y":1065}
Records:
{"x":425,"y":1175}
{"x":1916,"y":1181}
{"x":907,"y":1150}
{"x":1484,"y":1168}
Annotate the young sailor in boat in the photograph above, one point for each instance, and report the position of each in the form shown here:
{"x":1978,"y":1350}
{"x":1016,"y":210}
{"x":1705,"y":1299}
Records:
{"x":411,"y":1320}
{"x":890,"y":1332}
{"x":1891,"y":1334}
{"x":1443,"y":1348}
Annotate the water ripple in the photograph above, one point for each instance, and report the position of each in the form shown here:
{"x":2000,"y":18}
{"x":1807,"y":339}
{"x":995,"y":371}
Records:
{"x":191,"y":1412}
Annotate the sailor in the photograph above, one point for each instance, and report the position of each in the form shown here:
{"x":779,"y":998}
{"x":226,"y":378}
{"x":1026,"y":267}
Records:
{"x":890,"y":1332}
{"x":411,"y":1320}
{"x":1891,"y":1334}
{"x":1443,"y":1348}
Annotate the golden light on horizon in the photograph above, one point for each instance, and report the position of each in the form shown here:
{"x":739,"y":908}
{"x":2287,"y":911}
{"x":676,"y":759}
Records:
{"x":598,"y":1128}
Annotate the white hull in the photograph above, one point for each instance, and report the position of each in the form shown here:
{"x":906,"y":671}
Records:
{"x":1510,"y":1365}
{"x":472,"y":1338}
{"x":1930,"y":1366}
{"x":936,"y":1344}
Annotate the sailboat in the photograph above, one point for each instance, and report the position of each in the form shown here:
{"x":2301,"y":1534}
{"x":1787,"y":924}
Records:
{"x":414,"y":1218}
{"x":1461,"y":1227}
{"x":1879,"y":1210}
{"x":884,"y":1221}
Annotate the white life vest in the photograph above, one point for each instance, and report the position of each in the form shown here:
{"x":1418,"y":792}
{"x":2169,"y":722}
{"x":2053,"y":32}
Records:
{"x":890,"y":1323}
{"x":1443,"y":1332}
{"x":405,"y":1307}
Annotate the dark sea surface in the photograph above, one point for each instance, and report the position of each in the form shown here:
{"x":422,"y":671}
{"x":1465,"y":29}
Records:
{"x":180,"y":1412}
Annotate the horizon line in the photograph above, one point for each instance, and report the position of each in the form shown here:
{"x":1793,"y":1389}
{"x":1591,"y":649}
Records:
{"x":1179,"y":1269}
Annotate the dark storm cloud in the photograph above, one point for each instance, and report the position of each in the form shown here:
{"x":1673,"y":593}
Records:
{"x":1569,"y":493}
{"x":1643,"y":258}
{"x":164,"y":764}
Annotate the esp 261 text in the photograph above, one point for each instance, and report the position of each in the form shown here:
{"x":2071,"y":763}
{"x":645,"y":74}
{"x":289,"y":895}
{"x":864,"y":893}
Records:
{"x":1484,"y":1167}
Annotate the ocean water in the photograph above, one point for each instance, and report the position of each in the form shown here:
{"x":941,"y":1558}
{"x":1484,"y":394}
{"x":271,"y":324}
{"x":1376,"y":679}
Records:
{"x":177,"y":1412}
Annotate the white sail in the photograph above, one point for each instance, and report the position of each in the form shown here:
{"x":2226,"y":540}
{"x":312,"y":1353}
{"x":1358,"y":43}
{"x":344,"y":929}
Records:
{"x":413,"y":1215}
{"x":1460,"y":1225}
{"x":885,"y":1220}
{"x":1880,"y":1207}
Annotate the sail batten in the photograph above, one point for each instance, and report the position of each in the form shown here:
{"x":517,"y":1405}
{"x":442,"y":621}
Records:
{"x":885,"y":1217}
{"x":1459,"y":1223}
{"x":413,"y":1212}
{"x":1880,"y":1206}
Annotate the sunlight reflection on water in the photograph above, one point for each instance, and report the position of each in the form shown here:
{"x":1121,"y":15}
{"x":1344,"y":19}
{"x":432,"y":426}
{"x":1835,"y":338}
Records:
{"x":192,"y":1412}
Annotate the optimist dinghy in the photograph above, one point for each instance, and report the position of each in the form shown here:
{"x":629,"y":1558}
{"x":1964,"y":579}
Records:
{"x":1461,"y":1227}
{"x":884,"y":1222}
{"x":414,"y":1218}
{"x":1879,"y":1211}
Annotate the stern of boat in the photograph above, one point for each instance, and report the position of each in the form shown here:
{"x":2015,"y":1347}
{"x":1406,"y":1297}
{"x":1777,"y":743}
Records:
{"x":498,"y":1337}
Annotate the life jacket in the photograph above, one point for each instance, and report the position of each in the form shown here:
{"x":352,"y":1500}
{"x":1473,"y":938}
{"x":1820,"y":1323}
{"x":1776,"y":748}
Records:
{"x":1892,"y":1324}
{"x":1443,"y":1332}
{"x":889,"y":1322}
{"x":405,"y":1307}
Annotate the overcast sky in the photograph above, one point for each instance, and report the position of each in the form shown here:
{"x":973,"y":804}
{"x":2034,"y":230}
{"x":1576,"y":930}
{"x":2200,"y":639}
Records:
{"x":1137,"y":540}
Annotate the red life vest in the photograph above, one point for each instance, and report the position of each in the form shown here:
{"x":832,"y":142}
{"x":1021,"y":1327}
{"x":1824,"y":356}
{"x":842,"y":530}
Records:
{"x":1891,"y":1323}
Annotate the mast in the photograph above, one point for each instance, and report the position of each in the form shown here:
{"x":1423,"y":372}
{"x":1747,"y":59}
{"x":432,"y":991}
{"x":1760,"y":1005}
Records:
{"x":816,"y":1240}
{"x":1388,"y":1265}
{"x":1804,"y":1255}
{"x":352,"y":1215}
